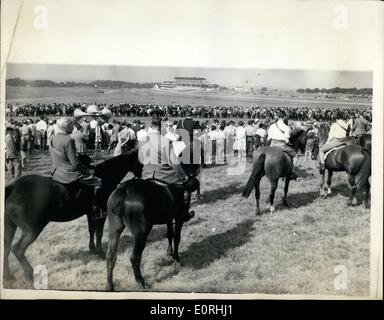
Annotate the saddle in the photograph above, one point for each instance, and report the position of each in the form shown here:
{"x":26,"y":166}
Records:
{"x":75,"y":195}
{"x":334,"y":149}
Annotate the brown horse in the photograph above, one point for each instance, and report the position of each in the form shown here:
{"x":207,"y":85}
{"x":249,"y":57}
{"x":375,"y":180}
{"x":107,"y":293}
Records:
{"x":275,"y":164}
{"x":32,"y":201}
{"x":352,"y":158}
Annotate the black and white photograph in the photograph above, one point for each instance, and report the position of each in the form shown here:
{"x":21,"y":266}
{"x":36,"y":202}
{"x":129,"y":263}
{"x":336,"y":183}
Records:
{"x":191,"y":149}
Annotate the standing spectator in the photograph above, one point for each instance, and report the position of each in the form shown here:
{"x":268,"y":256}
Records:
{"x":250,"y":133}
{"x":80,"y":140}
{"x":122,"y":139}
{"x":114,"y":136}
{"x":33,"y":141}
{"x":25,"y":142}
{"x":229,"y":132}
{"x":220,"y":145}
{"x":360,"y":126}
{"x":240,"y":140}
{"x":12,"y":154}
{"x":260,"y":136}
{"x":98,"y":137}
{"x":50,"y":131}
{"x":41,"y":131}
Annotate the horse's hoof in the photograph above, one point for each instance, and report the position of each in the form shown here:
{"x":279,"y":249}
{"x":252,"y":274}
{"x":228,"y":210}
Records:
{"x":354,"y":202}
{"x":92,"y":247}
{"x":110,"y":288}
{"x":144,"y":284}
{"x":272,"y":209}
{"x":258,"y":212}
{"x":9,"y":277}
{"x":329,"y":191}
{"x":101,"y":254}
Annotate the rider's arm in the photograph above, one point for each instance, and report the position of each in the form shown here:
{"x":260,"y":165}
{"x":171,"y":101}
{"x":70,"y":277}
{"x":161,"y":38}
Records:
{"x":71,"y":154}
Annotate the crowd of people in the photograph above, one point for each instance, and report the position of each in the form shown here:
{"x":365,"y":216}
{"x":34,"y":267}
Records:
{"x":218,"y":137}
{"x":300,"y":113}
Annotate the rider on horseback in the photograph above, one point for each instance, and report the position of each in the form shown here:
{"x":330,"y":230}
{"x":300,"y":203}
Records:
{"x":67,"y":167}
{"x":279,"y":133}
{"x":337,"y":137}
{"x":162,"y":164}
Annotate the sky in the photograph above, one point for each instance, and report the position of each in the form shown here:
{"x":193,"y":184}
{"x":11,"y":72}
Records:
{"x":230,"y":77}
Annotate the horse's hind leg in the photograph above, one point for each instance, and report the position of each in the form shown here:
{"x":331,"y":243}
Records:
{"x":140,"y":240}
{"x":177,"y":237}
{"x":353,"y":187}
{"x":9,"y":233}
{"x":257,"y":195}
{"x":27,"y":238}
{"x":367,"y":200}
{"x":99,"y":225}
{"x":116,"y":227}
{"x":286,"y":188}
{"x":92,"y":231}
{"x":170,"y":236}
{"x":274,"y":184}
{"x":329,"y":181}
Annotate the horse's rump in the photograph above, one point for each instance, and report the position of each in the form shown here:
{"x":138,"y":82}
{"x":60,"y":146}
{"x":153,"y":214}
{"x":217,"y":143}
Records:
{"x":156,"y":200}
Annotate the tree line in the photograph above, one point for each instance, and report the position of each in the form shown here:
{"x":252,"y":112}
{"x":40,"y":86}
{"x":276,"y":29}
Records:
{"x":353,"y":91}
{"x":95,"y":84}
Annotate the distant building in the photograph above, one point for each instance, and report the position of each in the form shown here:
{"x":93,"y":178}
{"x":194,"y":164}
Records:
{"x":187,"y":83}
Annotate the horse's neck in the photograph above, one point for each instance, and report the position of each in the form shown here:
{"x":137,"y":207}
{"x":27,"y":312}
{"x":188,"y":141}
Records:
{"x":115,"y":170}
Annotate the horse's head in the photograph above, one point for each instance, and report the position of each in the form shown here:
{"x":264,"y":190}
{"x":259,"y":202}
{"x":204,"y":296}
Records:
{"x":298,"y":140}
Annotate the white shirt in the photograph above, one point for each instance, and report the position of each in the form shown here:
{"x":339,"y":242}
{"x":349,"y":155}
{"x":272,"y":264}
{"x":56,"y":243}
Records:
{"x":279,"y":131}
{"x":41,"y":126}
{"x":240,"y":133}
{"x":142,"y":135}
{"x":93,"y":124}
{"x":261,"y":132}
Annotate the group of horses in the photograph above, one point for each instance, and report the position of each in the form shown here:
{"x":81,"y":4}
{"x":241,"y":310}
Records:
{"x":32,"y":201}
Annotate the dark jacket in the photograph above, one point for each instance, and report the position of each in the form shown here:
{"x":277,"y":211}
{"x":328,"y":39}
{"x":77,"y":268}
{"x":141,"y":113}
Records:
{"x":67,"y":168}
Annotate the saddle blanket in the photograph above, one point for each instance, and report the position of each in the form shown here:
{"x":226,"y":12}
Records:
{"x":334,"y":149}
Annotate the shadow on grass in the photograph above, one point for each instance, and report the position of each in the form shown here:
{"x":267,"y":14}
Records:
{"x":83,"y":255}
{"x":222,"y":193}
{"x":213,"y":247}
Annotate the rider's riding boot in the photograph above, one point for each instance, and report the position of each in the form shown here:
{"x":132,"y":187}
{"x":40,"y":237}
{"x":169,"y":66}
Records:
{"x":188,"y":215}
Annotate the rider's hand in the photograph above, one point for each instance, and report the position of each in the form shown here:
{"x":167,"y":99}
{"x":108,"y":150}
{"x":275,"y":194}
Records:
{"x":91,"y":172}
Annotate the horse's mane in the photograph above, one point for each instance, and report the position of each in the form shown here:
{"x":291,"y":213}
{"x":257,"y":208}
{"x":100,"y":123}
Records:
{"x":117,"y":167}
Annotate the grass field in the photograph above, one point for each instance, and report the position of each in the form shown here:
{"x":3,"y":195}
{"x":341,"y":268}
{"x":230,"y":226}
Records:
{"x":225,"y":248}
{"x":112,"y":96}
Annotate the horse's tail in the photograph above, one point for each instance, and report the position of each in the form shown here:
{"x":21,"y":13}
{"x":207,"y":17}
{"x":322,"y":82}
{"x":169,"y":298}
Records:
{"x":116,"y":202}
{"x":8,"y":191}
{"x":257,"y":168}
{"x":365,"y":171}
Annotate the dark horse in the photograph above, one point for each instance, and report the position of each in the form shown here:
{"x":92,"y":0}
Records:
{"x":139,"y":205}
{"x":275,"y":164}
{"x":353,"y":158}
{"x":32,"y":201}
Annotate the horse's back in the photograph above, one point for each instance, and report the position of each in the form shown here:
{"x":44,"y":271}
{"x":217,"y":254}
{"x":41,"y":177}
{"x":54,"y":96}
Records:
{"x":349,"y":158}
{"x":40,"y":197}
